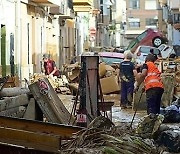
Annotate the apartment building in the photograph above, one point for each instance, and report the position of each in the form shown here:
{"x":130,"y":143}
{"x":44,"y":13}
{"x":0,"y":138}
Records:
{"x":140,"y":15}
{"x":171,"y":17}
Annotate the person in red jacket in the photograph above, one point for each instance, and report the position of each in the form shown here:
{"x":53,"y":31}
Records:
{"x":50,"y":66}
{"x":153,"y":85}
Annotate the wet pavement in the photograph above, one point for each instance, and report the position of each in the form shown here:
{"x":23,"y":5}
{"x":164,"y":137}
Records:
{"x":126,"y":115}
{"x":118,"y":115}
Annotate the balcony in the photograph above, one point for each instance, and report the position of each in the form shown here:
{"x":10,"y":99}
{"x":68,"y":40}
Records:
{"x":83,"y":2}
{"x":163,"y":2}
{"x":51,"y":3}
{"x":62,"y":13}
{"x":82,"y":8}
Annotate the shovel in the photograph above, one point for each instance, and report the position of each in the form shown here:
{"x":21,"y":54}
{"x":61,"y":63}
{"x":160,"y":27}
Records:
{"x":136,"y":109}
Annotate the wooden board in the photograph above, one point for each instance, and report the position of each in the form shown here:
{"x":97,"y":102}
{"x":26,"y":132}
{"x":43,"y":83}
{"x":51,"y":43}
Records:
{"x":169,"y":84}
{"x":49,"y":102}
{"x":64,"y":131}
{"x":29,"y":139}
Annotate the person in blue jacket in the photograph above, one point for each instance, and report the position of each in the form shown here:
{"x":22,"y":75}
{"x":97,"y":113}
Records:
{"x":127,"y":78}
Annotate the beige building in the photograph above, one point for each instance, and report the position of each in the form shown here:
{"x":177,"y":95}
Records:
{"x":140,"y":15}
{"x":35,"y":29}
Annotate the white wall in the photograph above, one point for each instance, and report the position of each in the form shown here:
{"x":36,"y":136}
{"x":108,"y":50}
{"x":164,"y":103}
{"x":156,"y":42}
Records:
{"x":7,"y":18}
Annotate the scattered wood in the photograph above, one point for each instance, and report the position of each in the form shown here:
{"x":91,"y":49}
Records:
{"x":49,"y":102}
{"x":30,"y":112}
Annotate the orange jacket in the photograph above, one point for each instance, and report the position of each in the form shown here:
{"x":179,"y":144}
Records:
{"x":153,"y":78}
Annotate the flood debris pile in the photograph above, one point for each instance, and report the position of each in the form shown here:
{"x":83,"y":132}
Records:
{"x":60,"y":85}
{"x":110,"y":139}
{"x":14,"y":102}
{"x":107,"y":74}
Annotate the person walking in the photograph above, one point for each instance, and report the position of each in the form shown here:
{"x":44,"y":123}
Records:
{"x":50,"y":66}
{"x":153,"y":85}
{"x":127,"y":73}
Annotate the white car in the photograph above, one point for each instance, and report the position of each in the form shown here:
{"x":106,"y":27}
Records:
{"x":142,"y":51}
{"x":167,"y":51}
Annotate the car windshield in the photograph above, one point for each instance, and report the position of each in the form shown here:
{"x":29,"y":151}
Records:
{"x":110,"y":60}
{"x":137,"y":40}
{"x":132,"y":44}
{"x":142,"y":36}
{"x":146,"y":50}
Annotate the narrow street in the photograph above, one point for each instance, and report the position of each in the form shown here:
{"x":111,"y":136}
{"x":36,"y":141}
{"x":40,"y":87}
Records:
{"x":89,"y":76}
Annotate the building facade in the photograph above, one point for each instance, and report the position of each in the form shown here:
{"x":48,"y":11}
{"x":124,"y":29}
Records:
{"x":140,"y":15}
{"x":30,"y":28}
{"x":171,"y":17}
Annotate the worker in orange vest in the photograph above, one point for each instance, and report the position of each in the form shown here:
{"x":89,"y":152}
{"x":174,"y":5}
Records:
{"x":153,"y":85}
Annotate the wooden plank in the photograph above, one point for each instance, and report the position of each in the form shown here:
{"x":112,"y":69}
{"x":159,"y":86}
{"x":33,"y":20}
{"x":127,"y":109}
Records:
{"x":29,"y":139}
{"x":64,"y":131}
{"x":49,"y":102}
{"x":169,"y":84}
{"x":12,"y":102}
{"x":13,"y":149}
{"x":30,"y":111}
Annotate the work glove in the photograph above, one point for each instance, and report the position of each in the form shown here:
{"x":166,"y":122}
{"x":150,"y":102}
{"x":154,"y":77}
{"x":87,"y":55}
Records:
{"x":136,"y":87}
{"x":143,"y":89}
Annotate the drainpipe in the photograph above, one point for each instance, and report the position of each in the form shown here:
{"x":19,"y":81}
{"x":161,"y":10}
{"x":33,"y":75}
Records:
{"x":18,"y":37}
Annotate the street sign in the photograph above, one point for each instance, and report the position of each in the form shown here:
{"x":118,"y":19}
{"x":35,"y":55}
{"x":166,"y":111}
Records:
{"x":92,"y":31}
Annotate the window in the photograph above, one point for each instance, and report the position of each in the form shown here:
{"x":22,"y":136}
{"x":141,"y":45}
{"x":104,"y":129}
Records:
{"x":142,"y":36}
{"x":150,"y":5}
{"x":134,"y":24}
{"x":151,"y":22}
{"x":134,"y":4}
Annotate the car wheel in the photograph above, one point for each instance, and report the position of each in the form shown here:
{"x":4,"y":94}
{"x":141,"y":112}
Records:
{"x":157,"y":41}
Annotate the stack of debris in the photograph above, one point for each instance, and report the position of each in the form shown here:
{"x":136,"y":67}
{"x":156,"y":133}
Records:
{"x":170,"y":69}
{"x":15,"y":102}
{"x":60,"y":85}
{"x":107,"y":74}
{"x":37,"y":102}
{"x":102,"y":136}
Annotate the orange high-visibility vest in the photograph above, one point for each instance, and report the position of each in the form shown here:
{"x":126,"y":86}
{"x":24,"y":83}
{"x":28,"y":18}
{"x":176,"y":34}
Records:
{"x":153,"y":78}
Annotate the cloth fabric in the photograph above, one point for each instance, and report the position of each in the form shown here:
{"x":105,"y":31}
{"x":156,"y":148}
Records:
{"x":127,"y":88}
{"x":153,"y":78}
{"x":153,"y":98}
{"x":49,"y":67}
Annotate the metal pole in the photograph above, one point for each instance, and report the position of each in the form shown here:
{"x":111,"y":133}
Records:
{"x":136,"y":110}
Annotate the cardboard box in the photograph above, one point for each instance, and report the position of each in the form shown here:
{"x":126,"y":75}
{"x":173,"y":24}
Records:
{"x":109,"y":85}
{"x":102,"y":69}
{"x":74,"y":75}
